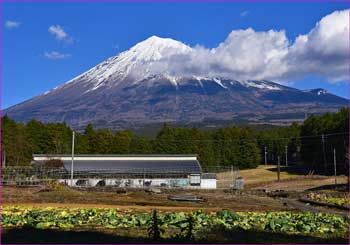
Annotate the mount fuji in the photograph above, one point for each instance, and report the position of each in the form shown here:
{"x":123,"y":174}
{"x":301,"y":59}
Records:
{"x":137,"y":87}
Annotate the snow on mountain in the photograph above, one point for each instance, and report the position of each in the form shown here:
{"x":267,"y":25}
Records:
{"x":145,"y":60}
{"x":135,"y":63}
{"x":321,"y":92}
{"x":261,"y":84}
{"x":318,"y":91}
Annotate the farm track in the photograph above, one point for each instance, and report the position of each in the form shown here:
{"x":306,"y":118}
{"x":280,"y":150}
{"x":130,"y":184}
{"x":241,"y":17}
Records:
{"x":313,"y":209}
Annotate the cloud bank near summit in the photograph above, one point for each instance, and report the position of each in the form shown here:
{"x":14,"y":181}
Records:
{"x":248,"y":54}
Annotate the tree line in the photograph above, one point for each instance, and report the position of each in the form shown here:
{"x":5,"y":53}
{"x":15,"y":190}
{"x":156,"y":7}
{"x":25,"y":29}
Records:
{"x":237,"y":146}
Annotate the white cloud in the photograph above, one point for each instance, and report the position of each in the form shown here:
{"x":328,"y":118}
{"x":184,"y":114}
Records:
{"x":244,"y":13}
{"x":324,"y":50}
{"x":248,"y":54}
{"x":59,"y":33}
{"x":12,"y":24}
{"x":53,"y":55}
{"x":245,"y":54}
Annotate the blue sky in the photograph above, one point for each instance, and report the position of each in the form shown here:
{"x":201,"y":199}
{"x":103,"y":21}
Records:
{"x":96,"y":31}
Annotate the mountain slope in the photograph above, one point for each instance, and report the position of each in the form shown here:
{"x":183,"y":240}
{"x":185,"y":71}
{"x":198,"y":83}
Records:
{"x":136,"y":87}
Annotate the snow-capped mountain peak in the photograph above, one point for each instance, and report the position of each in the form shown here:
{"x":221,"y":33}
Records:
{"x":154,"y":49}
{"x":137,"y":87}
{"x":139,"y":62}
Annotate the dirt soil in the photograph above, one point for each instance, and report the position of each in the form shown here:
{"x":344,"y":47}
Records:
{"x":140,"y":200}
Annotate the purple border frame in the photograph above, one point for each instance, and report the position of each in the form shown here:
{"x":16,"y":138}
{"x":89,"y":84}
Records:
{"x":173,"y":1}
{"x":1,"y":29}
{"x":136,"y":1}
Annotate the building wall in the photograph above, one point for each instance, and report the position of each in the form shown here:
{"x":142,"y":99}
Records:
{"x":131,"y":183}
{"x":141,"y":183}
{"x":208,"y":183}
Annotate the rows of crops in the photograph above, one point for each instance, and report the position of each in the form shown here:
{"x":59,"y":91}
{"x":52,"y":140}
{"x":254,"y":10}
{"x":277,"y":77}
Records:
{"x":70,"y":218}
{"x":340,"y":201}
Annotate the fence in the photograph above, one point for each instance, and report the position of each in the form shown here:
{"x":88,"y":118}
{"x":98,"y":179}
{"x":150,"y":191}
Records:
{"x":219,"y":177}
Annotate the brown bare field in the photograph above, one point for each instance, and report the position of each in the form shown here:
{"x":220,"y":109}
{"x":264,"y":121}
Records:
{"x":140,"y":200}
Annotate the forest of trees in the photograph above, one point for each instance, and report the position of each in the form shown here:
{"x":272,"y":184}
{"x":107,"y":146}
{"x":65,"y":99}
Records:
{"x":320,"y":136}
{"x":241,"y":147}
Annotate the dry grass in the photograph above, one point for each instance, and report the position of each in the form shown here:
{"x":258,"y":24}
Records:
{"x":302,"y":184}
{"x":265,"y":177}
{"x":265,"y":173}
{"x":261,"y":174}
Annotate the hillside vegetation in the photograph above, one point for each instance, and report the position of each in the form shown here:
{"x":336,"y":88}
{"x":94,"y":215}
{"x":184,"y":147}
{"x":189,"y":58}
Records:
{"x":237,"y":146}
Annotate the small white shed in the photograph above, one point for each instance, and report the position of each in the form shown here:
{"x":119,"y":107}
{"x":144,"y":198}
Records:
{"x":208,"y":181}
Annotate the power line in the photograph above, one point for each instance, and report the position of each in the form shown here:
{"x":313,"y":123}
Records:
{"x":249,"y":139}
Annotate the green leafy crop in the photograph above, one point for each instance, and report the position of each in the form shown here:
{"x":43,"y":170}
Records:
{"x":70,"y":218}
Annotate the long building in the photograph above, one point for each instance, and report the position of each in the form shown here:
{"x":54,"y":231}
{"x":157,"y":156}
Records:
{"x":134,"y":171}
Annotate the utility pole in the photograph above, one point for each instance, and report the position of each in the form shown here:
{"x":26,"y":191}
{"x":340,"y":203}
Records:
{"x":286,"y":155}
{"x":278,"y":169}
{"x":232,"y":185}
{"x":265,"y":155}
{"x":335,"y":166}
{"x":324,"y":156}
{"x":4,"y":160}
{"x":233,"y":178}
{"x":144,"y":177}
{"x":72,"y":166}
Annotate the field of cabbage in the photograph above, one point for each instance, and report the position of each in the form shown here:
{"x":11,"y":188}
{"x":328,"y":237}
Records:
{"x":340,"y":201}
{"x":72,"y":218}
